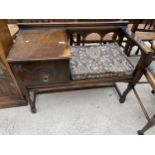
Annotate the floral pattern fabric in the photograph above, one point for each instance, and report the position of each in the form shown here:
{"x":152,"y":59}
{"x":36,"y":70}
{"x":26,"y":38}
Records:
{"x":106,"y":60}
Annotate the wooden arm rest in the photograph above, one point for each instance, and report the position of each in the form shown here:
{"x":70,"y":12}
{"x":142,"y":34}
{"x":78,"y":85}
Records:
{"x":131,"y":36}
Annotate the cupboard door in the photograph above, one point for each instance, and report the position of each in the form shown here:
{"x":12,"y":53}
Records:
{"x":9,"y":95}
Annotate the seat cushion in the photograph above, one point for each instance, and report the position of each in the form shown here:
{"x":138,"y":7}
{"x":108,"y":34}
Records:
{"x":108,"y":60}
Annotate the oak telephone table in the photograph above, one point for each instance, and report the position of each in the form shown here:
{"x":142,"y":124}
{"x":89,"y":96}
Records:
{"x":41,"y":58}
{"x":45,"y":57}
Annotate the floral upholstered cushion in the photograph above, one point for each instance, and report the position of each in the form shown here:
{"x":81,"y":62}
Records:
{"x":152,"y":68}
{"x":89,"y":62}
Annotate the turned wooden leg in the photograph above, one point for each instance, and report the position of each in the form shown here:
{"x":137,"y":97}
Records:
{"x":32,"y":106}
{"x":32,"y":103}
{"x":150,"y":124}
{"x":123,"y":97}
{"x":143,"y":62}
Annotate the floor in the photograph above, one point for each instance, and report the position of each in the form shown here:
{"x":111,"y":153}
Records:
{"x":93,"y":111}
{"x":83,"y":112}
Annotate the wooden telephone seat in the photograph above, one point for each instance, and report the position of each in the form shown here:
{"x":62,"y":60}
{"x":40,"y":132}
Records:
{"x":45,"y":58}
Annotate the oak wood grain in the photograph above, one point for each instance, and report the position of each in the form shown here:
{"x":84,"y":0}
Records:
{"x":40,"y":44}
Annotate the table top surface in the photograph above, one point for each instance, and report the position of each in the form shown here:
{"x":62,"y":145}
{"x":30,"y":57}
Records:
{"x":39,"y":44}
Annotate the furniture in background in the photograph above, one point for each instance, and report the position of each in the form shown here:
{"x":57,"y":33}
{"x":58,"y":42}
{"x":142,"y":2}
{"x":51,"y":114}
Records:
{"x":150,"y":76}
{"x":10,"y":94}
{"x":44,"y":58}
{"x":144,"y":29}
